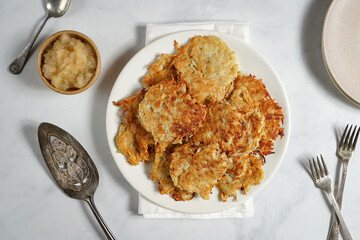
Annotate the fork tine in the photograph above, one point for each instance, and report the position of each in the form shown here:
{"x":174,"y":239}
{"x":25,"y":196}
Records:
{"x":347,"y":140}
{"x":353,"y":145}
{"x":341,"y":144}
{"x":313,"y":173}
{"x":321,"y":169}
{"x":351,"y":138}
{"x":318,"y":175}
{"x":324,"y":165}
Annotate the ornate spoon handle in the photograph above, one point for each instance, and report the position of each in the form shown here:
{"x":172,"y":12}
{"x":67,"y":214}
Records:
{"x":18,"y":64}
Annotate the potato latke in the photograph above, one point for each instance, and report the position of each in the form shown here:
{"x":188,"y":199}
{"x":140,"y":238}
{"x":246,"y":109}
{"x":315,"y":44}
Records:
{"x":169,"y":112}
{"x":201,"y":121}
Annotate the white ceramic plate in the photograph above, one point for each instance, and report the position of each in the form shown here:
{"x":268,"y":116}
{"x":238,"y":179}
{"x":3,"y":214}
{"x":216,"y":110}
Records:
{"x":129,"y":82}
{"x":341,"y":46}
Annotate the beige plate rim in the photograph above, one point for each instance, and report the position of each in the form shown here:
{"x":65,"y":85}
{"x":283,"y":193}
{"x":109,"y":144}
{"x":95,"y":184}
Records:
{"x":328,"y":69}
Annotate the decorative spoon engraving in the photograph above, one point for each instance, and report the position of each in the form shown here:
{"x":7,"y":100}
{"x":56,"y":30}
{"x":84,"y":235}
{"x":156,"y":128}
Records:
{"x":71,"y":166}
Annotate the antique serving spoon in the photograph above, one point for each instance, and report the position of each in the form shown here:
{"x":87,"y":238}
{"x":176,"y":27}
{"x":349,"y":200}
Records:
{"x":71,"y":166}
{"x":55,"y":8}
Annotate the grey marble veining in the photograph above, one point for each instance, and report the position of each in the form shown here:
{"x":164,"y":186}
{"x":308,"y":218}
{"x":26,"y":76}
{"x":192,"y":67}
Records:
{"x":286,"y":33}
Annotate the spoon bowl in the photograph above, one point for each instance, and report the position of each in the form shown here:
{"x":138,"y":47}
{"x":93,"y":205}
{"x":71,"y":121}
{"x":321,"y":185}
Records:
{"x":71,"y":167}
{"x":69,"y":163}
{"x":57,"y":8}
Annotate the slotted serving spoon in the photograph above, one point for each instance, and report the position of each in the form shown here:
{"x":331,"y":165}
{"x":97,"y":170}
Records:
{"x":71,"y":166}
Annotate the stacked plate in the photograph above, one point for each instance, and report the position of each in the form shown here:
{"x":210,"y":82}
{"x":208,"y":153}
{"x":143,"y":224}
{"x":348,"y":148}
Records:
{"x":341,"y":46}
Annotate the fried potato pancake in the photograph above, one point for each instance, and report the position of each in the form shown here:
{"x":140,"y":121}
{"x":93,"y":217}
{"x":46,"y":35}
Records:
{"x":132,"y":139}
{"x":197,"y":169}
{"x":161,"y":173}
{"x":127,"y":144}
{"x":251,"y":97}
{"x":161,"y":70}
{"x":223,"y":126}
{"x":235,"y":131}
{"x":182,"y":195}
{"x":271,"y":110}
{"x":243,"y":172}
{"x":201,"y":121}
{"x":169,"y":112}
{"x":241,"y":100}
{"x":208,"y":67}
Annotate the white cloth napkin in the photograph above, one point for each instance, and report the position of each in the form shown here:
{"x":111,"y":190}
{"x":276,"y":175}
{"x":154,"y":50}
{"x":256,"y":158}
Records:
{"x":154,"y":31}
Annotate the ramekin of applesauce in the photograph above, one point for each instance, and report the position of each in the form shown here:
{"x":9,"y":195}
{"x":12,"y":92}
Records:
{"x":69,"y":62}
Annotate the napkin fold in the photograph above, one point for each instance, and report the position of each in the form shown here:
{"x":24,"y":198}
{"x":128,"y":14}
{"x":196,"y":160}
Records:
{"x":151,"y":210}
{"x":239,"y":30}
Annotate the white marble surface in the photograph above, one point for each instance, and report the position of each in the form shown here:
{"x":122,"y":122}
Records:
{"x":287,"y":33}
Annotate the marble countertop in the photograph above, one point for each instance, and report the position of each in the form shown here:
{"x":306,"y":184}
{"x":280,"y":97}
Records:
{"x":286,"y":33}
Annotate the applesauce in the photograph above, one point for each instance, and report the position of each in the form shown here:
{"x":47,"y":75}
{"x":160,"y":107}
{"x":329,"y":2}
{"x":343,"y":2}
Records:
{"x":69,"y":63}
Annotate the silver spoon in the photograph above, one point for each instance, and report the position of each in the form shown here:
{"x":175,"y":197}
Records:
{"x":55,"y":8}
{"x":71,"y":166}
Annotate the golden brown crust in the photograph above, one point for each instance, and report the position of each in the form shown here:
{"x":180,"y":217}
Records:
{"x":235,"y":131}
{"x":251,"y":97}
{"x":223,"y":126}
{"x":200,"y":125}
{"x":162,"y":70}
{"x":132,"y":137}
{"x":182,"y":195}
{"x":271,"y":111}
{"x":169,"y":112}
{"x":244,"y":172}
{"x":197,"y":169}
{"x":208,"y":67}
{"x":161,"y":173}
{"x":127,"y":145}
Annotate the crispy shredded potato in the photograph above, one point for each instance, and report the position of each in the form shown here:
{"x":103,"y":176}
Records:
{"x":161,"y":70}
{"x":271,"y":110}
{"x":244,"y":172}
{"x":208,"y":67}
{"x":169,"y":112}
{"x":201,"y":121}
{"x":132,"y":139}
{"x":197,"y":169}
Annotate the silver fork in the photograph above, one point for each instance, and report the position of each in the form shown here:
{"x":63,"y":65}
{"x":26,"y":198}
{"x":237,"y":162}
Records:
{"x":322,"y":180}
{"x":345,"y":151}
